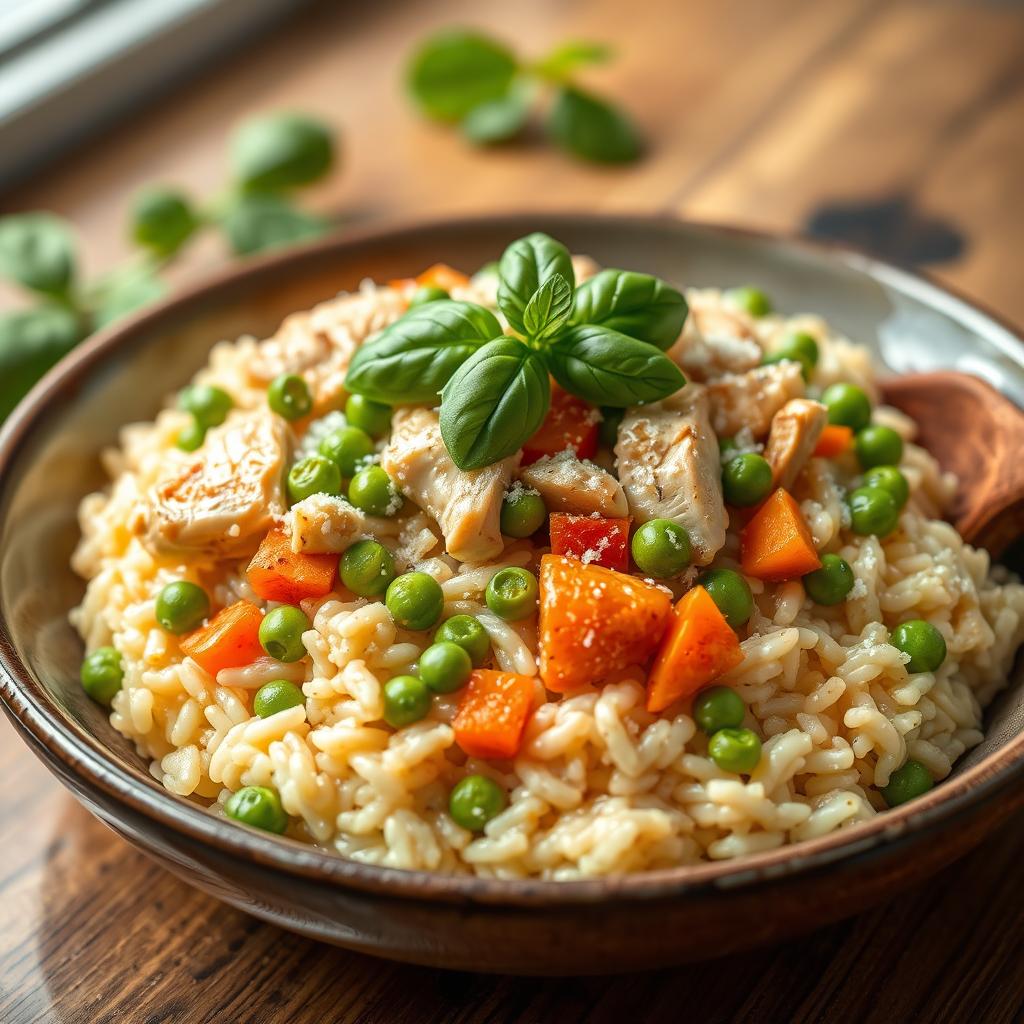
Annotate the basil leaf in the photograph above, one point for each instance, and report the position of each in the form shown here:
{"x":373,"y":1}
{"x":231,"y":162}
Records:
{"x":592,"y":129}
{"x":498,"y":120}
{"x":455,"y":71}
{"x":163,"y":220}
{"x":31,"y":341}
{"x":639,"y":305}
{"x":548,"y":308}
{"x":563,"y":60}
{"x":36,"y":251}
{"x":125,"y":292}
{"x":493,"y":403}
{"x":281,"y":151}
{"x":413,"y":359}
{"x":524,"y":266}
{"x":608,"y":368}
{"x":261,"y":221}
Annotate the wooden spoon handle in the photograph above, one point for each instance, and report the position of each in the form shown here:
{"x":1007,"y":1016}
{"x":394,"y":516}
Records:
{"x":978,"y":434}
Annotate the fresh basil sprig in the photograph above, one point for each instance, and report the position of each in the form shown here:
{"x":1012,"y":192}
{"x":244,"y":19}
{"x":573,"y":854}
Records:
{"x":601,"y":342}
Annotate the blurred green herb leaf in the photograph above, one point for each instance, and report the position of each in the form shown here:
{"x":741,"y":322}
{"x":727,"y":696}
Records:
{"x":163,"y":220}
{"x":455,"y":71}
{"x":498,"y":120}
{"x":125,"y":291}
{"x":281,"y":152}
{"x":256,"y":222}
{"x":592,"y":129}
{"x":31,"y":341}
{"x":563,"y":60}
{"x":36,"y":250}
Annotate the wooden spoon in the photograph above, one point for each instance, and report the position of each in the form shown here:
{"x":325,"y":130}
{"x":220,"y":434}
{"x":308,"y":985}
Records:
{"x":978,"y":434}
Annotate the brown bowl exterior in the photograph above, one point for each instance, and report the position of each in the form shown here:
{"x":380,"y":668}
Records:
{"x":48,"y":461}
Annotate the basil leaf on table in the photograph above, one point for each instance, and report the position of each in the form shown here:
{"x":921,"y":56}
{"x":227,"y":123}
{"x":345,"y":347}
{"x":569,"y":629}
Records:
{"x":413,"y":359}
{"x":455,"y":71}
{"x":592,"y":129}
{"x":563,"y":60}
{"x":36,"y":251}
{"x":498,"y":120}
{"x":126,"y":292}
{"x":31,"y":341}
{"x":281,"y":151}
{"x":608,"y":368}
{"x":493,"y":403}
{"x":640,"y":305}
{"x":548,"y":308}
{"x":163,"y":220}
{"x":524,"y":266}
{"x":263,"y":221}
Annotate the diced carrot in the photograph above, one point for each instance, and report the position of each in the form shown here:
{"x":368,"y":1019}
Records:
{"x":277,"y":573}
{"x":570,"y":423}
{"x":596,"y":541}
{"x":231,"y":638}
{"x":835,"y":439}
{"x":493,"y":712}
{"x":776,"y":544}
{"x":594,"y":622}
{"x":440,"y":275}
{"x":402,"y":284}
{"x":698,"y":647}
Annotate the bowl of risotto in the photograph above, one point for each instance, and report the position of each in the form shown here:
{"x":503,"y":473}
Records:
{"x":541,"y":594}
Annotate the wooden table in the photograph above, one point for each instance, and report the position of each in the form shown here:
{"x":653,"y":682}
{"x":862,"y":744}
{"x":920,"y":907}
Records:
{"x":897,"y":121}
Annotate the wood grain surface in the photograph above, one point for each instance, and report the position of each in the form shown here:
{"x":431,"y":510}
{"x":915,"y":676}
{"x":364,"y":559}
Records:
{"x":896,"y":124}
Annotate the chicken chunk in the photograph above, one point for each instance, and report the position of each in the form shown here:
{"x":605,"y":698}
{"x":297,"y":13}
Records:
{"x":466,"y":505}
{"x":227,"y":497}
{"x":751,"y":399}
{"x":715,"y":341}
{"x":568,"y":485}
{"x":669,"y":468}
{"x":794,"y":433}
{"x":323,"y":523}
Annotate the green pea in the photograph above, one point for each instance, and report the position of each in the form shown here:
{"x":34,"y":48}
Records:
{"x":910,"y":781}
{"x":848,"y":406}
{"x":801,"y":348}
{"x":372,"y":491}
{"x":746,"y":480}
{"x":427,"y":293}
{"x":347,"y":448}
{"x":923,"y":642}
{"x":279,"y":695}
{"x":367,"y":568}
{"x":878,"y":446}
{"x":467,"y":632}
{"x":831,"y":583}
{"x":288,"y":396}
{"x":735,"y":750}
{"x":718,"y":708}
{"x":406,"y":700}
{"x":731,"y":592}
{"x":281,"y":633}
{"x":181,"y":606}
{"x":364,"y":413}
{"x":415,"y":600}
{"x":890,"y":479}
{"x":445,"y":667}
{"x":474,"y":801}
{"x":313,"y":475}
{"x":209,"y":405}
{"x":512,"y":594}
{"x":522,"y":513}
{"x":191,"y":436}
{"x":661,"y":548}
{"x":750,"y":299}
{"x":873,"y":511}
{"x":258,"y":806}
{"x":608,"y":430}
{"x":102,"y":674}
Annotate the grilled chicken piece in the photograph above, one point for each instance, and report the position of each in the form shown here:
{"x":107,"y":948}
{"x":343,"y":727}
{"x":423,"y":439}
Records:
{"x":227,"y":497}
{"x":568,"y":485}
{"x":323,"y":523}
{"x":794,"y":433}
{"x":669,"y":467}
{"x":715,"y":341}
{"x":751,"y":399}
{"x":466,"y":505}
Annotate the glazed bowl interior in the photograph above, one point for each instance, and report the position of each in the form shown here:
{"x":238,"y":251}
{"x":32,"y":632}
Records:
{"x":49,"y":458}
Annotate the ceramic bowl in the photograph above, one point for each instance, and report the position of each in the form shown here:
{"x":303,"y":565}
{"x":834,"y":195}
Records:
{"x":49,"y":459}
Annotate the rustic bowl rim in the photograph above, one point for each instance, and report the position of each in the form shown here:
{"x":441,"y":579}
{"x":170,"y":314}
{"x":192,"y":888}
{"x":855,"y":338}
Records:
{"x":28,"y":705}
